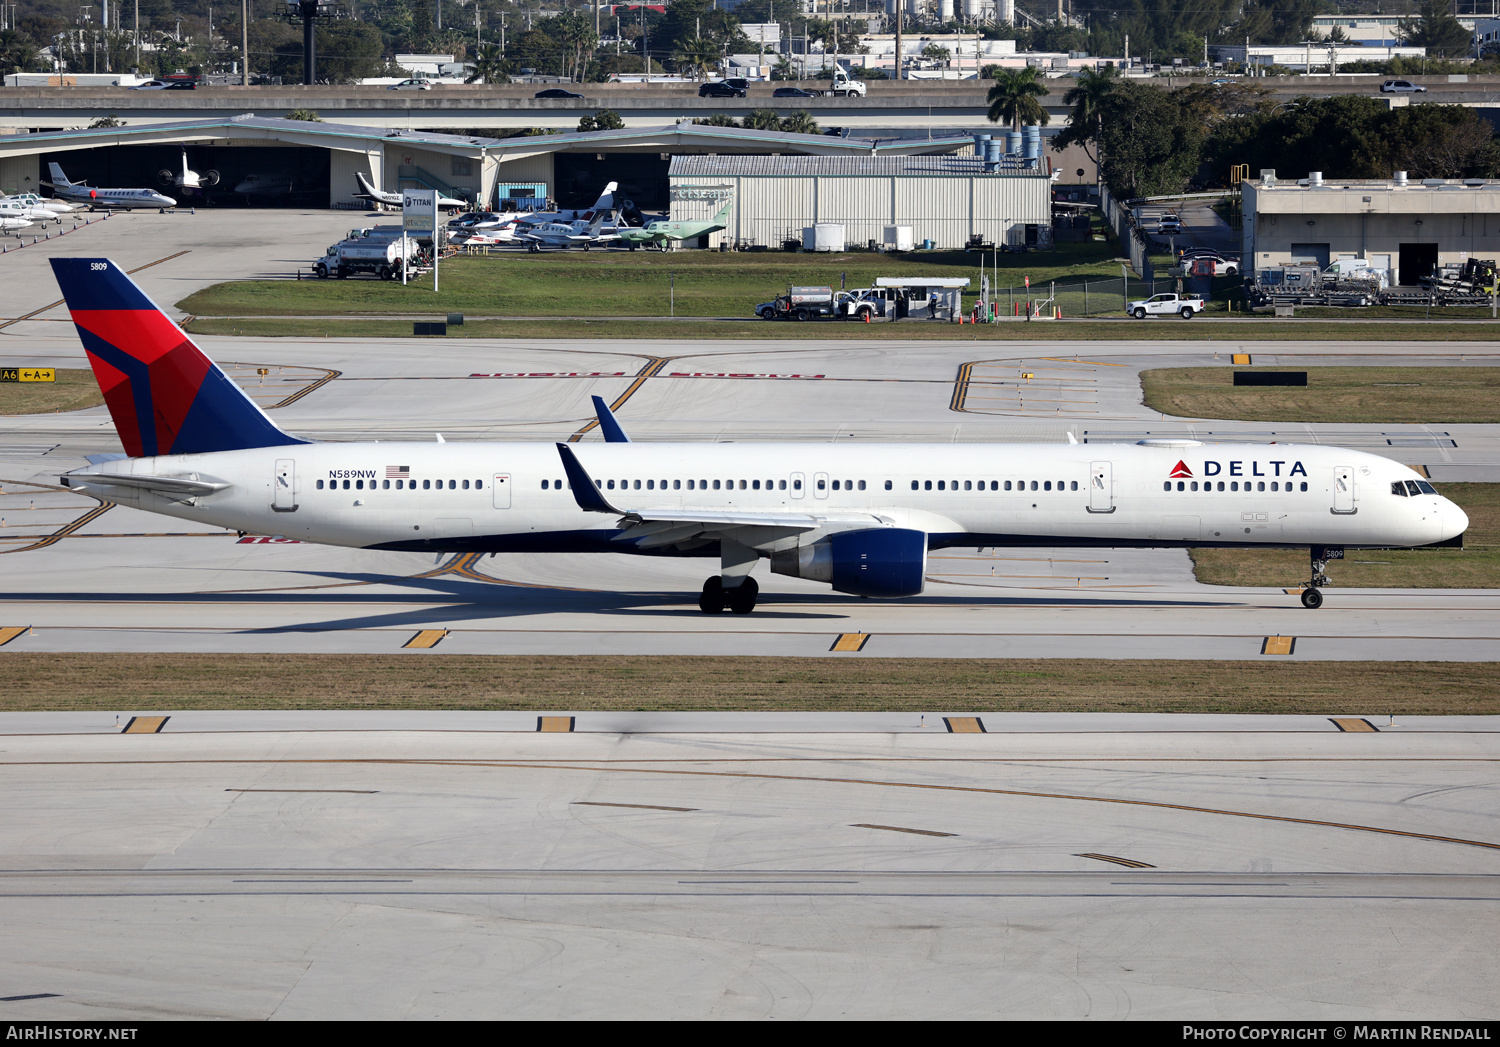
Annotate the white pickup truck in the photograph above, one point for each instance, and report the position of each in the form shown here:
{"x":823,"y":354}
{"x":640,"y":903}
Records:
{"x":1165,"y":305}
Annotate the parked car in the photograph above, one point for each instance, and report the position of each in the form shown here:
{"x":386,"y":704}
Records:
{"x":412,"y":85}
{"x":1184,"y":306}
{"x":555,"y":92}
{"x":793,"y":92}
{"x":1401,"y":87}
{"x":1202,"y":252}
{"x":1169,"y":223}
{"x":720,"y":89}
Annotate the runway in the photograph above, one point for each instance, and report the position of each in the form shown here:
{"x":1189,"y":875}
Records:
{"x":261,"y":865}
{"x":81,"y":579}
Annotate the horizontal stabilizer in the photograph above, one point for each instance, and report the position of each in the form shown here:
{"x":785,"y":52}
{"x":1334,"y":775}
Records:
{"x":173,"y":485}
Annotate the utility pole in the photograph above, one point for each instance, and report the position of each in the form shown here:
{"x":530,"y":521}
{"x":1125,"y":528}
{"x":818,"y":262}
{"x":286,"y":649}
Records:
{"x":244,"y":41}
{"x":898,"y":38}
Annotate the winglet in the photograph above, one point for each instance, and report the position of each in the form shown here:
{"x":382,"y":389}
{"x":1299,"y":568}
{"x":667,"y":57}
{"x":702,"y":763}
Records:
{"x":613,"y":434}
{"x":585,"y":492}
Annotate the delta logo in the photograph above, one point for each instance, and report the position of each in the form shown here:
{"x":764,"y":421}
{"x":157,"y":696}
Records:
{"x":1180,"y":471}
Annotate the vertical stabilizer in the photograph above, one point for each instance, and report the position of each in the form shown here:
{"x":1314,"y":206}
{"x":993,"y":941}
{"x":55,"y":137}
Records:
{"x":164,"y":395}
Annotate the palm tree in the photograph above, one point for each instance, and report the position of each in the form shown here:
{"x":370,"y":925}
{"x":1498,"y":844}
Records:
{"x":1014,"y":98}
{"x":763,"y":120}
{"x":718,"y":120}
{"x":489,"y":66}
{"x":800,"y":122}
{"x":1087,"y":98}
{"x":697,"y":54}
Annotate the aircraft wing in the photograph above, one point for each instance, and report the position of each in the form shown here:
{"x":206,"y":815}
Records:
{"x":650,"y":527}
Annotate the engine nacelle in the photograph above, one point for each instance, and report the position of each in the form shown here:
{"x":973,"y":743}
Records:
{"x":874,"y":561}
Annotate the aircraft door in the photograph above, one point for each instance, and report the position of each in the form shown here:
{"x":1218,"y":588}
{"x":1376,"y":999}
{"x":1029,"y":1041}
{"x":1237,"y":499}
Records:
{"x":1343,"y":490}
{"x":284,"y":486}
{"x":799,"y":485}
{"x":1101,"y":487}
{"x":820,"y":485}
{"x":500,"y":490}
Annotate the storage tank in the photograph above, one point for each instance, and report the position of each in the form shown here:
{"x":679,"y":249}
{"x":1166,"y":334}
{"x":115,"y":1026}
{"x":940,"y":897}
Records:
{"x":1012,"y":143}
{"x":976,"y":10}
{"x":1005,"y":11}
{"x":825,"y":236}
{"x":945,"y":11}
{"x":980,"y":141}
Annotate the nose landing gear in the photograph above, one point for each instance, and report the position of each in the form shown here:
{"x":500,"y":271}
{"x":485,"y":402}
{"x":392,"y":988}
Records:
{"x":1319,"y":555}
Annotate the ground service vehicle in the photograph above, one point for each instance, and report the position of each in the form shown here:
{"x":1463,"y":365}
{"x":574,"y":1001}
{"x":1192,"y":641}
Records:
{"x":860,"y":517}
{"x":378,"y":256}
{"x":1165,"y":305}
{"x":799,"y":303}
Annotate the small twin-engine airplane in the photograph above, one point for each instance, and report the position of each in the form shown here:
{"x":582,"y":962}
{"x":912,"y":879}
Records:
{"x":861,"y":517}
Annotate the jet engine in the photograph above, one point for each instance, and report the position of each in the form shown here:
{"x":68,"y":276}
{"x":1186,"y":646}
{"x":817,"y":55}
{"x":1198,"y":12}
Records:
{"x":874,"y":561}
{"x":210,"y":177}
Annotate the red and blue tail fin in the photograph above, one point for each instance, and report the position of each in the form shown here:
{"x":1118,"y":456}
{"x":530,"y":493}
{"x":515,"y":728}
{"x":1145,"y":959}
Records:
{"x":165,"y":396}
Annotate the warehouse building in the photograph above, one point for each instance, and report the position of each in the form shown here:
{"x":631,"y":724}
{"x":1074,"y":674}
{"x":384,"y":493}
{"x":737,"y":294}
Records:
{"x":1408,"y":228}
{"x":948,"y":200}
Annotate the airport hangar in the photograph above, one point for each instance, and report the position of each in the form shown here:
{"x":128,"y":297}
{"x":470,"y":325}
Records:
{"x":1409,"y":228}
{"x":323,"y":158}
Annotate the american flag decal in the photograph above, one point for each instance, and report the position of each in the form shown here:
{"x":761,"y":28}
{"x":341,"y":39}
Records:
{"x":395,"y":472}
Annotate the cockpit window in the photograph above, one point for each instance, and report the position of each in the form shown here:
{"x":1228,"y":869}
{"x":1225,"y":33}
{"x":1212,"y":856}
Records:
{"x":1412,"y":488}
{"x":1426,"y":487}
{"x":1398,"y":488}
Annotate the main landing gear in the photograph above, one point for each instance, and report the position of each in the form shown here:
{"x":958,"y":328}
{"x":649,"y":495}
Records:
{"x":1319,"y":555}
{"x":740,"y":599}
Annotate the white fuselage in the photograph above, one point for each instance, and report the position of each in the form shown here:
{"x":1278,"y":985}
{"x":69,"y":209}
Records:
{"x":513,"y":496}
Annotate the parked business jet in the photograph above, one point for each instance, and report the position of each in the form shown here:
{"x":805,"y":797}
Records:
{"x":861,"y":517}
{"x":108,"y":199}
{"x":393,"y":199}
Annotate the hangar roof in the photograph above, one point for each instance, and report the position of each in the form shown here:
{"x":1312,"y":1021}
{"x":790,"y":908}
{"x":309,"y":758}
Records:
{"x":850,"y":167}
{"x":683,"y":136}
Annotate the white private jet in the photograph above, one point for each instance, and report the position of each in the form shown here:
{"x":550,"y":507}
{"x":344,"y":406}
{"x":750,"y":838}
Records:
{"x":107,"y":199}
{"x":393,"y":199}
{"x":567,"y":234}
{"x":860,"y":517}
{"x":189,"y":181}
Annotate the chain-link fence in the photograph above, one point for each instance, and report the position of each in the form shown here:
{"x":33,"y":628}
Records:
{"x":1079,"y":297}
{"x":1132,"y":237}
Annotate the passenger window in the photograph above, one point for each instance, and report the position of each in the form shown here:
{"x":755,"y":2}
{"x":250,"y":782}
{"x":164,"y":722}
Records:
{"x":479,"y":485}
{"x":716,"y":485}
{"x":399,"y":485}
{"x":1304,"y":485}
{"x":1166,"y":485}
{"x":742,"y":485}
{"x":1047,"y":486}
{"x":1181,"y":486}
{"x":822,"y":484}
{"x":1193,"y":486}
{"x":1033,"y":485}
{"x":359,"y":485}
{"x":914,"y":485}
{"x":426,"y":485}
{"x":466,"y":485}
{"x":926,"y":485}
{"x":385,"y":485}
{"x":968,"y":485}
{"x":1221,"y":485}
{"x":611,"y":484}
{"x":781,"y":485}
{"x":650,"y":485}
{"x":796,"y":485}
{"x":1007,"y":485}
{"x":755,"y":485}
{"x":1273,"y":485}
{"x":690,"y":486}
{"x":861,"y":485}
{"x":1073,"y":486}
{"x":637,"y":485}
{"x":1260,"y":486}
{"x":835,"y":485}
{"x":888,"y":485}
{"x":677,"y":485}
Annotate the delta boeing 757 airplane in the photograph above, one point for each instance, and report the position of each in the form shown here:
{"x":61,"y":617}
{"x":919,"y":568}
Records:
{"x":861,"y":517}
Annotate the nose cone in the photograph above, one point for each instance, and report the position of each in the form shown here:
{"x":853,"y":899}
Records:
{"x":1455,"y":520}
